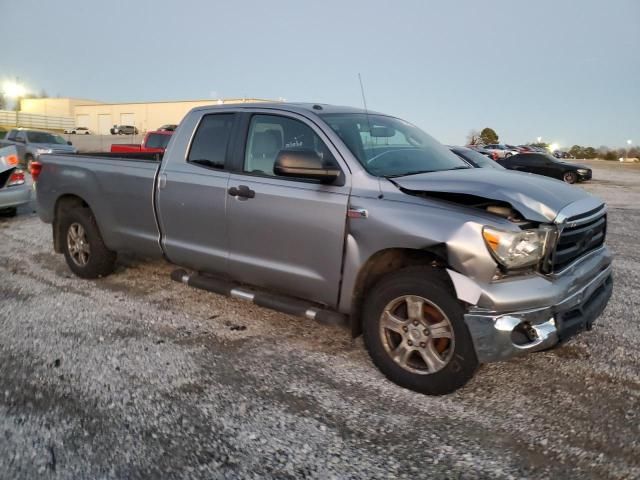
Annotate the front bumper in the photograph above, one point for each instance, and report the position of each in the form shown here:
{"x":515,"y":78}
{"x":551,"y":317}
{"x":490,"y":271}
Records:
{"x":14,"y":196}
{"x":579,"y":297}
{"x":584,"y":176}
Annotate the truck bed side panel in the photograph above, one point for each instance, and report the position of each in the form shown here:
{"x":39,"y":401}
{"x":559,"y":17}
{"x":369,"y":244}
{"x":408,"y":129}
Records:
{"x":118,"y":191}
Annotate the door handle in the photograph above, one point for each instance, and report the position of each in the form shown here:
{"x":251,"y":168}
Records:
{"x":241,"y":191}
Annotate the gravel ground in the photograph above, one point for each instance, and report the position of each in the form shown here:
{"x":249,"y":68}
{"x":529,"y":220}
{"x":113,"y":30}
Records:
{"x":135,"y":376}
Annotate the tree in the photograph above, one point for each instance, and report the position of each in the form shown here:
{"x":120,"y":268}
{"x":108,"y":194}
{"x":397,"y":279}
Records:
{"x":488,"y":136}
{"x":576,"y":151}
{"x":473,"y":138}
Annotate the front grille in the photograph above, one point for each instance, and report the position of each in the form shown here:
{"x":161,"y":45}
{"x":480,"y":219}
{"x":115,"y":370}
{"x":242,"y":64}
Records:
{"x":576,"y":241}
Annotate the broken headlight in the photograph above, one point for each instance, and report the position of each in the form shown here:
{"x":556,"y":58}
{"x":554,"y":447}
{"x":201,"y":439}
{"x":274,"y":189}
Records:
{"x":517,"y":249}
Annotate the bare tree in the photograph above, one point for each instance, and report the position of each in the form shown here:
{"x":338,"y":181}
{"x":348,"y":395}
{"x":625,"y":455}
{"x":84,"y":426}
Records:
{"x":473,"y":137}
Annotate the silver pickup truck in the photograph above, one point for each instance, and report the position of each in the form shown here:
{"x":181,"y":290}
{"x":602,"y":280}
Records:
{"x":343,"y":215}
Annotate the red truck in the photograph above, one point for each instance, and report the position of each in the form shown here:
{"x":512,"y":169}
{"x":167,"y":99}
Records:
{"x":154,"y":142}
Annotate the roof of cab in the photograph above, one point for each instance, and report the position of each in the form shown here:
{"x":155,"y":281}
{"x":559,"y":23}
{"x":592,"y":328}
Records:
{"x":303,"y":108}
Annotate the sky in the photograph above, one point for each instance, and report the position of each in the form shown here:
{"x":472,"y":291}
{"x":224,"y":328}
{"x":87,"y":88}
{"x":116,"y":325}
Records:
{"x":566,"y":71}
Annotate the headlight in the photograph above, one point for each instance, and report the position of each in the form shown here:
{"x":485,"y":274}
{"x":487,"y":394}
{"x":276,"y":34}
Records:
{"x":516,"y":249}
{"x":583,"y":170}
{"x":40,"y":151}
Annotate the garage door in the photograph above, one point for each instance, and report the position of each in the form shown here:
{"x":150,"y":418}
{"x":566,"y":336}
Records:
{"x":82,"y":121}
{"x":128,"y":119}
{"x":104,"y":124}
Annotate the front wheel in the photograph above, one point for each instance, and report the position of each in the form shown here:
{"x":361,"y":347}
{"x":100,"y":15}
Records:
{"x":415,"y":332}
{"x":83,"y":247}
{"x":570,"y":177}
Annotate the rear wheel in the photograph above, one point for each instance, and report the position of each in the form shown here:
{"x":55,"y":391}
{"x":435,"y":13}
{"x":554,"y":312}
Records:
{"x":83,"y":247}
{"x":570,"y":177}
{"x":415,"y":333}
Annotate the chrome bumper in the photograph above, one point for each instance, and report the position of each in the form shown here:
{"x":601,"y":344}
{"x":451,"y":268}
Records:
{"x":502,"y":335}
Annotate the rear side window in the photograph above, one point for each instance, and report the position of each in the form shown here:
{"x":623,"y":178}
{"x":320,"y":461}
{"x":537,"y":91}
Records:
{"x":157,"y":140}
{"x":12,"y":135}
{"x":209,"y":145}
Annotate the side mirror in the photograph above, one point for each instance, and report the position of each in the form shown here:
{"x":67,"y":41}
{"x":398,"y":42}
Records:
{"x":304,"y":163}
{"x":69,"y":143}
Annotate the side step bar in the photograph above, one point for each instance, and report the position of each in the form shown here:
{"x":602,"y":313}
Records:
{"x":281,"y":303}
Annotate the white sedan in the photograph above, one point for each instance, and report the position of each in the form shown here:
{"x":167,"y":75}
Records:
{"x":78,"y":131}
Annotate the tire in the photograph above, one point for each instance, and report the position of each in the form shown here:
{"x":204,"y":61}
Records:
{"x":429,"y":288}
{"x":570,"y":177}
{"x":100,"y":261}
{"x":507,"y":155}
{"x":9,"y":212}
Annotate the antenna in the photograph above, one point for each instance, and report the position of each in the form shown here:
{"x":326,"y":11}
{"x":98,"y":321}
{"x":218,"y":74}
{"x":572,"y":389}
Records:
{"x":364,"y":101}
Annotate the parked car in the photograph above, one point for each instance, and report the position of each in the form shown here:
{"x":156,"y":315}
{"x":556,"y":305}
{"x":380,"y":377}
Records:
{"x":561,"y":154}
{"x":124,"y":130}
{"x":170,"y":127}
{"x":14,"y":191}
{"x":501,"y":151}
{"x":33,"y":143}
{"x":547,"y":165}
{"x":153,"y":142}
{"x":77,"y":131}
{"x":313,"y":210}
{"x":480,"y":149}
{"x":476,"y":158}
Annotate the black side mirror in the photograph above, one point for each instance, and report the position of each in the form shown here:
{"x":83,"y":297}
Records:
{"x":304,"y":163}
{"x":69,"y":143}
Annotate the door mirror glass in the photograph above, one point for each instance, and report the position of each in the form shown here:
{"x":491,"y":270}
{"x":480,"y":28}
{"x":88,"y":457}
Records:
{"x":304,"y":163}
{"x":69,"y":143}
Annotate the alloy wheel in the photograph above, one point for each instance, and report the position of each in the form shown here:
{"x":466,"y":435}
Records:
{"x":78,"y":244}
{"x":417,"y":334}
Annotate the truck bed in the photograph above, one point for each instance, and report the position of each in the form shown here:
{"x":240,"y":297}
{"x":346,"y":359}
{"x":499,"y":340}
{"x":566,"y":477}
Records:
{"x":119,"y":189}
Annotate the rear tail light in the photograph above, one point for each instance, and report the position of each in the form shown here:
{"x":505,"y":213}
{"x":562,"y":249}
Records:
{"x":16,"y":178}
{"x":36,"y":168}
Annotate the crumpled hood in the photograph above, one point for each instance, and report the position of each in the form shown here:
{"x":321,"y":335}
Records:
{"x":536,"y":197}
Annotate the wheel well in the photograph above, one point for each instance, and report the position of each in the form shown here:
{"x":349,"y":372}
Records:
{"x":64,"y":204}
{"x":384,"y":262}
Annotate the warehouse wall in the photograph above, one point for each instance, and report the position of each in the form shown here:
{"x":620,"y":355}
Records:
{"x":145,"y":116}
{"x":100,"y":117}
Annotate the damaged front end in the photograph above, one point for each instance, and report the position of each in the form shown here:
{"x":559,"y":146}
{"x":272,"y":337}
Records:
{"x":549,"y":275}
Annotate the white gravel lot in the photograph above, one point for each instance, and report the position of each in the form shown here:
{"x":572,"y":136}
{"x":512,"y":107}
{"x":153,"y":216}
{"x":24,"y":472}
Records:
{"x":135,"y":376}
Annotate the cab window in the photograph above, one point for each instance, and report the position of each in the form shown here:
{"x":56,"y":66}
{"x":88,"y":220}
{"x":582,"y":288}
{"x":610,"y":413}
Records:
{"x":271,"y":134}
{"x":209,"y":146}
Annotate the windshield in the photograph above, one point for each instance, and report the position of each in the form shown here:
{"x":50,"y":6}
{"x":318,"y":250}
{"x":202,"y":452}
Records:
{"x":389,"y":147}
{"x":44,"y":137}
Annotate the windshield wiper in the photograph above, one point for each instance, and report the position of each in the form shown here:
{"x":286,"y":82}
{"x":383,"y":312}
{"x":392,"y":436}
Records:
{"x":416,"y":172}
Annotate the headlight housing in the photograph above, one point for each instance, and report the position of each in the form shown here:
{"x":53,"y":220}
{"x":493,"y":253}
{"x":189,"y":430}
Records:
{"x":40,"y":151}
{"x":517,"y":249}
{"x":583,"y":170}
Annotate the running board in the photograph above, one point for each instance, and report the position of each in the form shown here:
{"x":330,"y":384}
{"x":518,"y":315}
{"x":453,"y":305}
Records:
{"x":281,"y":303}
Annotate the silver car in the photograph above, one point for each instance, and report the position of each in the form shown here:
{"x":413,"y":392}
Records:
{"x":14,"y":190}
{"x":501,"y":151}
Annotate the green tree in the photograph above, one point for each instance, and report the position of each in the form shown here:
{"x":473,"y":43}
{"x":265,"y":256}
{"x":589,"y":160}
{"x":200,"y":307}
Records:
{"x":576,"y":151}
{"x":590,"y":152}
{"x":488,"y":136}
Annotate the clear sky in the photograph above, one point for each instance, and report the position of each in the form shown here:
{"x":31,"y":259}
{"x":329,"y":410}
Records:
{"x":568,"y":71}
